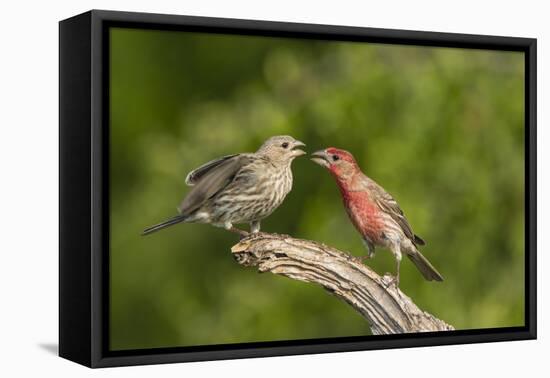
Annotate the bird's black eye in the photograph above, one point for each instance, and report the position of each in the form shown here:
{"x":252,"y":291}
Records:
{"x":335,"y":157}
{"x":284,"y":145}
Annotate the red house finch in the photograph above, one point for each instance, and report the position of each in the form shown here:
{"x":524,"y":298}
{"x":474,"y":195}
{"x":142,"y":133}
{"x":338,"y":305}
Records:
{"x":374,"y":212}
{"x":240,"y":188}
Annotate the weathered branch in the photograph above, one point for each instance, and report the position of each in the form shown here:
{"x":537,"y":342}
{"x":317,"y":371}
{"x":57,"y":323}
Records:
{"x":385,"y":307}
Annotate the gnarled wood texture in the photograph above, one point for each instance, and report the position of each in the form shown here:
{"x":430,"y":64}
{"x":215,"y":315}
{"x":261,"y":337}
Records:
{"x":385,"y":307}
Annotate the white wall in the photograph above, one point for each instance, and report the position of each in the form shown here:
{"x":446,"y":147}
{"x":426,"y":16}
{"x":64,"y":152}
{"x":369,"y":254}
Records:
{"x":28,"y":184}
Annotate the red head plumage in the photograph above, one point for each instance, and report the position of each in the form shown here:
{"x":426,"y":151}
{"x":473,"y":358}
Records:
{"x":340,"y":163}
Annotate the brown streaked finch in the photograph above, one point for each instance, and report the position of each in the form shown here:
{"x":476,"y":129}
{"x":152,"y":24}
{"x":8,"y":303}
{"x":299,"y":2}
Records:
{"x":374,"y":212}
{"x":240,"y":188}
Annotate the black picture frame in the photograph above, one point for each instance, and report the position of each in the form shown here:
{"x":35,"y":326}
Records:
{"x":84,"y":188}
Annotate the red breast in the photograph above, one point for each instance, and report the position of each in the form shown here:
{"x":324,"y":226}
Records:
{"x":363,"y":212}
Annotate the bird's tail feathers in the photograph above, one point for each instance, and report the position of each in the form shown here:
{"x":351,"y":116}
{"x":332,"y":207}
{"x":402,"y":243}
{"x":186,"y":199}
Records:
{"x":167,"y":223}
{"x":425,"y":267}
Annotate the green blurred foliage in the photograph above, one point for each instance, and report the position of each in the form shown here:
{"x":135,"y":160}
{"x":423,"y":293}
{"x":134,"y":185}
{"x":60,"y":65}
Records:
{"x":440,"y":128}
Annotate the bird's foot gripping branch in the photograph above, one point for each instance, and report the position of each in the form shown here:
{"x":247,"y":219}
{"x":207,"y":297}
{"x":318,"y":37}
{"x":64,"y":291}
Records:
{"x":384,"y":306}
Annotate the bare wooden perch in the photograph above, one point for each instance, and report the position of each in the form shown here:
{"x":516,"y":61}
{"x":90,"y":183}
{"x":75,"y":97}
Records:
{"x":386,"y":308}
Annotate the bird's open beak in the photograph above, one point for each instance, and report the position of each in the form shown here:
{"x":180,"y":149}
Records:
{"x":321,"y":157}
{"x":295,"y":150}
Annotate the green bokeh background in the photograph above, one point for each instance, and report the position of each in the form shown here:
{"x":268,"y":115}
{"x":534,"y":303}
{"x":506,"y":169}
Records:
{"x":440,"y":128}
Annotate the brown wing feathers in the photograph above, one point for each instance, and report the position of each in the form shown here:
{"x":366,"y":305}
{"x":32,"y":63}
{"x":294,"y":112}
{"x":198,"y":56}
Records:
{"x":196,"y":174}
{"x":390,"y":206}
{"x":209,"y":179}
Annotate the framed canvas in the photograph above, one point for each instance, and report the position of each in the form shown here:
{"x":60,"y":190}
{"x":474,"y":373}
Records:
{"x":319,"y":155}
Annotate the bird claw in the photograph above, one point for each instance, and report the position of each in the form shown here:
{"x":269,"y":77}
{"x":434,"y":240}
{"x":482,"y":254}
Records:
{"x":390,"y":280}
{"x":255,"y":235}
{"x":243,"y":234}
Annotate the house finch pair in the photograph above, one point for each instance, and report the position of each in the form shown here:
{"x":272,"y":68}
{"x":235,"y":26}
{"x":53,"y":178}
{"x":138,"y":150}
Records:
{"x":248,"y":187}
